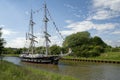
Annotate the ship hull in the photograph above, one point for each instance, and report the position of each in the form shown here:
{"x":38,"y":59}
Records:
{"x":42,"y":60}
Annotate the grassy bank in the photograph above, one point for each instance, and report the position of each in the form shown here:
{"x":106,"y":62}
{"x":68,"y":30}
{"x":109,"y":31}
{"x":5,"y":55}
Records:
{"x":109,"y":56}
{"x":16,"y":55}
{"x":9,"y":71}
{"x":105,"y":56}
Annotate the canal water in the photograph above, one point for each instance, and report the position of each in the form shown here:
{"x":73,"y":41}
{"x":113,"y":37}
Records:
{"x":80,"y":70}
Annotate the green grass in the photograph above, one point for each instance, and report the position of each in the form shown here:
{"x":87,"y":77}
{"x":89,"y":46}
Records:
{"x":110,"y":56}
{"x":11,"y":55}
{"x":104,"y":56}
{"x":9,"y":71}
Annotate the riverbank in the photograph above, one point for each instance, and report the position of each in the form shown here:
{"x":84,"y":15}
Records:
{"x":111,"y":57}
{"x":13,"y":55}
{"x":9,"y":71}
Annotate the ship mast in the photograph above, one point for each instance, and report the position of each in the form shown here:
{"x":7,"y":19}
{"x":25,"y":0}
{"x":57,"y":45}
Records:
{"x":31,"y":34}
{"x":45,"y":32}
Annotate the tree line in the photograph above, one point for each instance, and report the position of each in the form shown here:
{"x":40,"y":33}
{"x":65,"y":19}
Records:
{"x":81,"y":43}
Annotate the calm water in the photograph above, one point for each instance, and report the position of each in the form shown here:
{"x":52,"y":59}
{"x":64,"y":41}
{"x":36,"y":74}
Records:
{"x":80,"y":70}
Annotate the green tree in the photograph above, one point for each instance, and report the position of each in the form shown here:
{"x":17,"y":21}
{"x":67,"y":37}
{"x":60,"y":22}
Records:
{"x":98,"y":41}
{"x":116,"y":49}
{"x":1,"y":42}
{"x":54,"y":49}
{"x":40,"y":49}
{"x":84,"y":45}
{"x":77,"y":39}
{"x":10,"y":50}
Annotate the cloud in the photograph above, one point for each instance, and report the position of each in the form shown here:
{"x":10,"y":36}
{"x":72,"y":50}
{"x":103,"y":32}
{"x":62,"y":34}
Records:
{"x":87,"y":25}
{"x":70,"y":6}
{"x":105,"y":9}
{"x":8,"y":32}
{"x":68,"y":21}
{"x":55,"y":40}
{"x":109,"y":42}
{"x":77,"y":15}
{"x":1,"y":26}
{"x":66,"y":32}
{"x":116,"y":32}
{"x":116,"y":43}
{"x":104,"y":14}
{"x":113,"y":5}
{"x":113,"y":43}
{"x":75,"y":10}
{"x":18,"y":42}
{"x":27,"y":12}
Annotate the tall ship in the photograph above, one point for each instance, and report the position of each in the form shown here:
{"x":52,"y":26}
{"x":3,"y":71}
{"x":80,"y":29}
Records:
{"x":30,"y":55}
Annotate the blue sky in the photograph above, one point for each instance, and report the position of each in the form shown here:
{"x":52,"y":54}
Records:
{"x":99,"y":17}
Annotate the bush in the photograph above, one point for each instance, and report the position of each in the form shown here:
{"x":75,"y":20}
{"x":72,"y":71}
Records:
{"x":55,"y":50}
{"x":83,"y":45}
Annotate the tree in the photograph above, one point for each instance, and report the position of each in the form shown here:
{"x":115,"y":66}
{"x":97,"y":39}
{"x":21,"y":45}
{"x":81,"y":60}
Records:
{"x":55,"y":50}
{"x":84,"y":45}
{"x":1,"y":42}
{"x":77,"y":39}
{"x":98,"y":41}
{"x":10,"y":50}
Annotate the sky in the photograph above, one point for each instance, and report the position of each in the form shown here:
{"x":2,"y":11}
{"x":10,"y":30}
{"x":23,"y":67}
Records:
{"x":99,"y":17}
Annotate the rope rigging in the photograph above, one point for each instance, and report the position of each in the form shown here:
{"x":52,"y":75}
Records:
{"x":55,"y":25}
{"x":51,"y":19}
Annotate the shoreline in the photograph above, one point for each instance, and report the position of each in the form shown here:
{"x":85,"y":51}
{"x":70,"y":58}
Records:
{"x":92,"y":60}
{"x":15,"y":72}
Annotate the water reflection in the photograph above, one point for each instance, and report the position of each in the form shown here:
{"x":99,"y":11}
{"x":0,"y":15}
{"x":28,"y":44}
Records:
{"x":15,"y":60}
{"x":80,"y":70}
{"x":46,"y":67}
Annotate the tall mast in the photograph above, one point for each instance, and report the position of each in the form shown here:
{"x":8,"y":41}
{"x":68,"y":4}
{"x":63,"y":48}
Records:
{"x":31,"y":33}
{"x":45,"y":25}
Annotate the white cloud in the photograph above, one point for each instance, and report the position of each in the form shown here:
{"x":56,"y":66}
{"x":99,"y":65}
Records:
{"x":106,"y":26}
{"x":27,"y":12}
{"x":116,"y":32}
{"x":70,"y":6}
{"x":77,"y":15}
{"x":41,"y":41}
{"x":75,"y":10}
{"x":1,"y":26}
{"x":113,"y":43}
{"x":118,"y":41}
{"x":20,"y":42}
{"x":8,"y":32}
{"x":16,"y":43}
{"x":87,"y":25}
{"x":104,"y":14}
{"x":55,"y":40}
{"x":68,"y":21}
{"x":105,"y":9}
{"x":107,"y":4}
{"x":66,"y":32}
{"x":109,"y":42}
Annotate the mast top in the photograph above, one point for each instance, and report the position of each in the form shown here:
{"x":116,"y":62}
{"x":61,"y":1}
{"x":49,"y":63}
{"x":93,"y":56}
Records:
{"x":31,"y":15}
{"x":45,"y":32}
